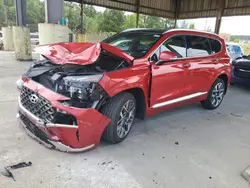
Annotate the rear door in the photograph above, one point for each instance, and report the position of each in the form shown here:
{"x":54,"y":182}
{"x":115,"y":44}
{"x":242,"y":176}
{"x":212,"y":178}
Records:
{"x":202,"y":64}
{"x":169,"y":79}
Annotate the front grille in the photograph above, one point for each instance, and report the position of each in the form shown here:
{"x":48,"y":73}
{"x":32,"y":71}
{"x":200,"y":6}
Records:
{"x":242,"y":73}
{"x":40,"y":107}
{"x":34,"y":129}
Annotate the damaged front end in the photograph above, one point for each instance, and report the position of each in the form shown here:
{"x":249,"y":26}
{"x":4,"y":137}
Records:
{"x":61,"y":95}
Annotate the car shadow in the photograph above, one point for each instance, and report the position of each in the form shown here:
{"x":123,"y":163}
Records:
{"x":243,"y":88}
{"x":160,"y":120}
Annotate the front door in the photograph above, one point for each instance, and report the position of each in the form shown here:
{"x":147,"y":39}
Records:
{"x":168,"y":84}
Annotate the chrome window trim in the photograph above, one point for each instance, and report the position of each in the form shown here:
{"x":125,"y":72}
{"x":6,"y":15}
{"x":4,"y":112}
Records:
{"x":186,"y":58}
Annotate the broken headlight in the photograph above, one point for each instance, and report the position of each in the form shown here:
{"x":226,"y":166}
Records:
{"x":83,"y":88}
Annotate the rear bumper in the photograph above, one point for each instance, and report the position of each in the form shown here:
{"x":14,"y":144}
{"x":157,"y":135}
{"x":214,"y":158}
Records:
{"x":238,"y":80}
{"x":69,"y":138}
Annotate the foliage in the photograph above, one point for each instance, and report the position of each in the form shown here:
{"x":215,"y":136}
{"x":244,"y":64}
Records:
{"x":130,"y":21}
{"x":72,"y":13}
{"x":236,"y":40}
{"x":192,"y":26}
{"x":94,"y":22}
{"x":112,"y":21}
{"x":2,"y":14}
{"x":246,"y":48}
{"x":240,"y":37}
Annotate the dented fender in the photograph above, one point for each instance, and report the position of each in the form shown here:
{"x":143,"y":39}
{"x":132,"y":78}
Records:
{"x":86,"y":134}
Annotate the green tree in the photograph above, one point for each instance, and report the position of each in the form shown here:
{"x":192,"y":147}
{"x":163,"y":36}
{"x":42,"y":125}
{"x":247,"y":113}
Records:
{"x":151,"y":22}
{"x":35,"y":14}
{"x":236,"y":40}
{"x":2,"y":14}
{"x":89,"y":11}
{"x":72,"y":13}
{"x":112,"y":21}
{"x":192,"y":26}
{"x":93,"y":23}
{"x":169,"y":23}
{"x":130,"y":21}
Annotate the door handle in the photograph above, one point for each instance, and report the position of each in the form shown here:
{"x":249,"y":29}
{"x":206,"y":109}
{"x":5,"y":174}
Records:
{"x":186,"y":65}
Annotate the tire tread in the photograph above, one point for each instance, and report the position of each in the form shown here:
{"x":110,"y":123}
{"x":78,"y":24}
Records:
{"x":110,"y":110}
{"x":207,"y":102}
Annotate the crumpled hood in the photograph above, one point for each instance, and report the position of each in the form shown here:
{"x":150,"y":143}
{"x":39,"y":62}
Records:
{"x":78,"y":53}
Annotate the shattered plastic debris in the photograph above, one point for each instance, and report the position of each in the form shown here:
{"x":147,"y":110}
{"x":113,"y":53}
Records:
{"x":8,"y":173}
{"x":236,"y":115}
{"x":20,"y":165}
{"x":7,"y":169}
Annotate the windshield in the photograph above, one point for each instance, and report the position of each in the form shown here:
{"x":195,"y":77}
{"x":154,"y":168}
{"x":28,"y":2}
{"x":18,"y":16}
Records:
{"x":136,"y":44}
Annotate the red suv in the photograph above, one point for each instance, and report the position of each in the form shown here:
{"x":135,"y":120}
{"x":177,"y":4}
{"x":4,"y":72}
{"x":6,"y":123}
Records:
{"x":84,"y":91}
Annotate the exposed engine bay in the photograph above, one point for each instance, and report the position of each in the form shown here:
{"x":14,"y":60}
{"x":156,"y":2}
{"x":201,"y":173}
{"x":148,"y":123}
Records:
{"x":78,"y":82}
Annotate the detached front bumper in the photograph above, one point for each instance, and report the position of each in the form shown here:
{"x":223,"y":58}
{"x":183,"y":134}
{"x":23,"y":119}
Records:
{"x":63,"y":137}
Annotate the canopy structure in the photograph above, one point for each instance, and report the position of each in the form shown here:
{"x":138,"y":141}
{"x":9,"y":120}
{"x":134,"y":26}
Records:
{"x":178,"y":9}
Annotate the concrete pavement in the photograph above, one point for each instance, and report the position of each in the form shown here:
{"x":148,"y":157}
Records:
{"x":186,"y":147}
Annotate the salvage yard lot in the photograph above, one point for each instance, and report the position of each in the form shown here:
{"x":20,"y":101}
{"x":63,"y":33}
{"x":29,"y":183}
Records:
{"x":185,"y":147}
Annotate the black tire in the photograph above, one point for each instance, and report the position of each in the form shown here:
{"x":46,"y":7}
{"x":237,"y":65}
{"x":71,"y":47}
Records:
{"x":112,"y":110}
{"x":208,"y":103}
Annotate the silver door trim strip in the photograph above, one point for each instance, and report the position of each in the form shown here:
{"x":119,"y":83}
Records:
{"x":243,"y":70}
{"x":179,"y":99}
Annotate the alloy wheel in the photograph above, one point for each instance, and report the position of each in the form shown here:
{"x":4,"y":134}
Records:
{"x":217,"y":94}
{"x":126,"y":118}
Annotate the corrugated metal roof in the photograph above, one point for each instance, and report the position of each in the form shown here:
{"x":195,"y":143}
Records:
{"x":162,"y":8}
{"x":208,"y":8}
{"x":167,"y":8}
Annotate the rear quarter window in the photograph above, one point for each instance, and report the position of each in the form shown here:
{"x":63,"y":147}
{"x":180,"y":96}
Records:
{"x":197,"y":46}
{"x":215,"y":46}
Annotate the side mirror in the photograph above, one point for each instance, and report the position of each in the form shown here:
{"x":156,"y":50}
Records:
{"x":166,"y":56}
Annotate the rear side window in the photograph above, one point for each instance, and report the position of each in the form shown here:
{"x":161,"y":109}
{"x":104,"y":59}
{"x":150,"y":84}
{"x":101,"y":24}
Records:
{"x":215,"y":46}
{"x":197,"y":46}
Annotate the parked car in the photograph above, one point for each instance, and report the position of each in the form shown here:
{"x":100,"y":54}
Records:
{"x":241,"y":71}
{"x":85,"y":91}
{"x":235,"y":51}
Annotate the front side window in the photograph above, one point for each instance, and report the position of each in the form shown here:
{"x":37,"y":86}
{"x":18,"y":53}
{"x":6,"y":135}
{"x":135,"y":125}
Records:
{"x":175,"y":44}
{"x":197,"y":46}
{"x":136,"y":44}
